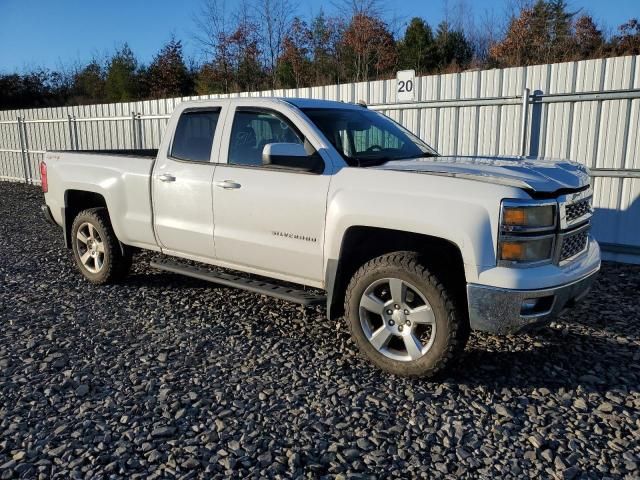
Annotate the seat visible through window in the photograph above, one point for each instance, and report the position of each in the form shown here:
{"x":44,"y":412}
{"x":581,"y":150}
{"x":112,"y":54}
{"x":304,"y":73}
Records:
{"x":252,"y":130}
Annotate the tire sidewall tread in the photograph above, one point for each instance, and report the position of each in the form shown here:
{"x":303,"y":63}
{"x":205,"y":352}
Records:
{"x":116,"y":264}
{"x":451,"y":328}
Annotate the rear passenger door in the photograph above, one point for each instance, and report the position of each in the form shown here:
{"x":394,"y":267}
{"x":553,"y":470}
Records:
{"x":268,"y":220}
{"x":181,"y":184}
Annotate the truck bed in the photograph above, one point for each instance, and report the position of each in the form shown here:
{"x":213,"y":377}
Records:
{"x":120,"y":177}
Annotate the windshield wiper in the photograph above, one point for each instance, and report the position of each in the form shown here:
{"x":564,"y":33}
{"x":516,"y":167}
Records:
{"x":375,"y":161}
{"x":421,"y":155}
{"x":370,"y":162}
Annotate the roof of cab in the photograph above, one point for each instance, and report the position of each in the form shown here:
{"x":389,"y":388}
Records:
{"x":296,"y":102}
{"x":316,"y":103}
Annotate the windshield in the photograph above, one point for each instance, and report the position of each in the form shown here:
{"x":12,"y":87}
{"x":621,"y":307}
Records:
{"x":364,"y":137}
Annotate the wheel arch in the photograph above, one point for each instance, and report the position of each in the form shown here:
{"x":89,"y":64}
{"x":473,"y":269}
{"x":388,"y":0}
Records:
{"x":363,"y":243}
{"x":75,"y":201}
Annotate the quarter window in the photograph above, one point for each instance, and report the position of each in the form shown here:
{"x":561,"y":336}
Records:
{"x":194,"y":135}
{"x":252,"y":130}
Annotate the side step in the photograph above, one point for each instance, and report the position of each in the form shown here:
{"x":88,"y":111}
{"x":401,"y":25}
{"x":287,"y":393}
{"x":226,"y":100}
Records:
{"x":257,"y":286}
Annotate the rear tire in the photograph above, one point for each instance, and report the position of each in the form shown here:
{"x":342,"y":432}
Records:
{"x":402,"y":318}
{"x":96,"y":249}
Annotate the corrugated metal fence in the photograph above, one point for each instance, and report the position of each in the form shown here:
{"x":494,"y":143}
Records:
{"x":588,"y":111}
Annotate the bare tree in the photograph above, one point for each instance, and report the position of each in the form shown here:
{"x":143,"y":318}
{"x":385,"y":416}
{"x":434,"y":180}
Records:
{"x":483,"y":30}
{"x":370,"y":8}
{"x":276,"y":18}
{"x":213,"y":28}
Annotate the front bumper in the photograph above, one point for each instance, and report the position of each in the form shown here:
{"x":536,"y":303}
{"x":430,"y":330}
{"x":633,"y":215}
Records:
{"x":504,"y":311}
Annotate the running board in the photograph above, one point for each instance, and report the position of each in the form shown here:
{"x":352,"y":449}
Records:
{"x":257,"y":286}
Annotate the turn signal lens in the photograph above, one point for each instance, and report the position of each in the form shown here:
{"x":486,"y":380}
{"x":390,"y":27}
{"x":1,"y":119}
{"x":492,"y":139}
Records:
{"x":526,"y":251}
{"x":512,"y":251}
{"x":514,"y":216}
{"x":529,"y":217}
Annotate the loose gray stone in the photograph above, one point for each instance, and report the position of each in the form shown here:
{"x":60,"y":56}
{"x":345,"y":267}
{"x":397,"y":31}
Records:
{"x":163,"y":432}
{"x":190,"y":380}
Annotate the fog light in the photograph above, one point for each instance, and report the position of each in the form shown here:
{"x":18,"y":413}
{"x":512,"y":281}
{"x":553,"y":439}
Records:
{"x":536,"y":306}
{"x":528,"y":306}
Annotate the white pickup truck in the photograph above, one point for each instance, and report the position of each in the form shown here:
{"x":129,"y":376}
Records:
{"x":413,"y":248}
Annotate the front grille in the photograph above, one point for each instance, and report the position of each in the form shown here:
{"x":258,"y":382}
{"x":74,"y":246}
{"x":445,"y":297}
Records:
{"x":573,"y":244}
{"x":576,"y":210}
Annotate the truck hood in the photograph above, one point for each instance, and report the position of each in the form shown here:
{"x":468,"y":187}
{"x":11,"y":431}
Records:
{"x":536,"y":174}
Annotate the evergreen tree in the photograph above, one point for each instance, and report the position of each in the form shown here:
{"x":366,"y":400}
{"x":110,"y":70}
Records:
{"x":452,"y":47}
{"x":324,"y":39}
{"x":417,"y":50}
{"x":89,"y":84}
{"x":122,"y":82}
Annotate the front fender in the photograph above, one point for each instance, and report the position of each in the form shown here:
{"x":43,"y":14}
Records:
{"x":463,"y":212}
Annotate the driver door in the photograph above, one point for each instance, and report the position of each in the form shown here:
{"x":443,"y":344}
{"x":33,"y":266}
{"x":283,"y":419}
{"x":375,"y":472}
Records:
{"x":269,"y":220}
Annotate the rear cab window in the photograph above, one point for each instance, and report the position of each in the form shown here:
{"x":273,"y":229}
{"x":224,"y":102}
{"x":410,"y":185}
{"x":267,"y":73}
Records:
{"x":194,"y":134}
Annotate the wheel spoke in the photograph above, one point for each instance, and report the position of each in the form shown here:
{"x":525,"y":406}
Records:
{"x":100,"y":247}
{"x":85,"y":257}
{"x":380,"y":338}
{"x":98,"y":262}
{"x":372,"y":304}
{"x":398,"y":290}
{"x":91,"y":231}
{"x":82,"y":237}
{"x":422,"y":314}
{"x":413,"y":346}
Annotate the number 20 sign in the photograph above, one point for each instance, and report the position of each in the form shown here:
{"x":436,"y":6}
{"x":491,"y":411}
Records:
{"x":406,"y":80}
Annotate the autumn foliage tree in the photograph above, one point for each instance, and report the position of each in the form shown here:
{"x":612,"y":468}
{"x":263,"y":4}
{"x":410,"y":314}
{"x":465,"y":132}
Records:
{"x":167,"y":75}
{"x":294,"y":64}
{"x":545,"y":33}
{"x":369,"y":48}
{"x":589,"y":42}
{"x":627,"y":41}
{"x":540,"y":34}
{"x":248,"y":45}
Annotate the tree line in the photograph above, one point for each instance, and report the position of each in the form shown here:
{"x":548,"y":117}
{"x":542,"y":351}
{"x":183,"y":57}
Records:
{"x":265,"y":44}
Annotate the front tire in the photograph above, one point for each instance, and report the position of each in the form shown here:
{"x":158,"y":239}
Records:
{"x":96,"y":249}
{"x":402,"y":318}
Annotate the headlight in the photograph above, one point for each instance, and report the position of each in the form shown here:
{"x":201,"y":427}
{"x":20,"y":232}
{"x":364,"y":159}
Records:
{"x":520,"y":218}
{"x":527,"y":232}
{"x":526,"y":250}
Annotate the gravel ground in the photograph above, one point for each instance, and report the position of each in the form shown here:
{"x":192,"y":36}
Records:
{"x":163,"y":376}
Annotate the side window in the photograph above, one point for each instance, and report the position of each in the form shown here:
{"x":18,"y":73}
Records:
{"x":252,"y":130}
{"x":194,"y":135}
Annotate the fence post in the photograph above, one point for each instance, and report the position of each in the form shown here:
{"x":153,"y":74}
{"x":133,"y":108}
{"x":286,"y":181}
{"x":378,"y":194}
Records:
{"x":140,"y":131}
{"x":524,"y":121}
{"x":23,"y":150}
{"x":134,"y":139}
{"x":71,"y":139}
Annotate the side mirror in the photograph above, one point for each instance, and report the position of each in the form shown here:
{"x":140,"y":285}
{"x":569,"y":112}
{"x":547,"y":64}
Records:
{"x":291,"y":155}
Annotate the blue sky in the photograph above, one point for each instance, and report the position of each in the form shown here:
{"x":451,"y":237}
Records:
{"x":51,"y":33}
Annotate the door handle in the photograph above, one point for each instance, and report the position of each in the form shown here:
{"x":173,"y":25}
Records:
{"x":166,"y":177}
{"x":228,"y":184}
